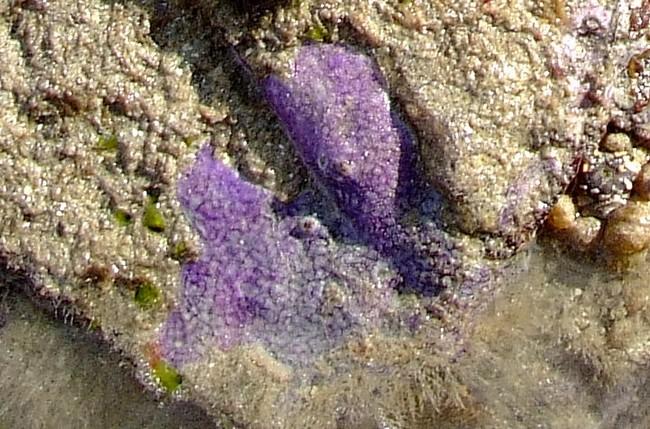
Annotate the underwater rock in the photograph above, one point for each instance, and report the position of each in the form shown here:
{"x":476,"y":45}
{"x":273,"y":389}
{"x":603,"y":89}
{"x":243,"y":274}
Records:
{"x":102,"y":106}
{"x":584,"y":235}
{"x":500,"y":136}
{"x":642,"y":183}
{"x":563,"y":214}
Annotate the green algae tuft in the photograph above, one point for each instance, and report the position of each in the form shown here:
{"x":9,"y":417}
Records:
{"x":94,"y":325}
{"x":122,"y":217}
{"x":167,"y":376}
{"x":152,"y":218}
{"x":108,"y":143}
{"x":180,"y":252}
{"x":191,"y":140}
{"x":146,"y":295}
{"x":317,"y":33}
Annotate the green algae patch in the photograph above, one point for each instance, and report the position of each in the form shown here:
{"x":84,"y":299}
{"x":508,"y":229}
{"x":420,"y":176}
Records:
{"x":191,"y":140}
{"x":107,"y":143}
{"x":122,"y":217}
{"x":180,"y":252}
{"x":152,"y":219}
{"x":317,"y":33}
{"x":146,"y":295}
{"x":167,"y":376}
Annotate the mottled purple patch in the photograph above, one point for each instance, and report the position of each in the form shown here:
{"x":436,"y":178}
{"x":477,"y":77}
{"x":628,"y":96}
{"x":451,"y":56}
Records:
{"x":278,"y":281}
{"x":299,"y":278}
{"x":337,"y":112}
{"x":336,"y":109}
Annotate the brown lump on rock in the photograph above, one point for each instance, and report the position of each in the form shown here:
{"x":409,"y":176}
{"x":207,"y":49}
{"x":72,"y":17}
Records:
{"x":562,"y":215}
{"x":580,"y":232}
{"x":585,"y":233}
{"x":628,"y":229}
{"x":616,"y":142}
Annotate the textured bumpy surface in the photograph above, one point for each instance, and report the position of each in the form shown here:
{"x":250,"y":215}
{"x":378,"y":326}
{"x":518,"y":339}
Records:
{"x":275,"y":273}
{"x":310,"y":268}
{"x":336,"y":110}
{"x":277,"y":281}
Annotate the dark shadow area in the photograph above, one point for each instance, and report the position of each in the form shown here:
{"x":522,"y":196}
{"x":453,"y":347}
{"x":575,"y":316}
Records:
{"x":256,"y":7}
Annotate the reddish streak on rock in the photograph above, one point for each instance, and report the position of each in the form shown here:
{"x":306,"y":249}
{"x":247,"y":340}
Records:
{"x":640,"y":17}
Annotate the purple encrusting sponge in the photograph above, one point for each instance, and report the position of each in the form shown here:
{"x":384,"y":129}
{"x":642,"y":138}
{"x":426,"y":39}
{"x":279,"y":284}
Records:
{"x":337,"y":112}
{"x":279,"y":281}
{"x":275,"y":274}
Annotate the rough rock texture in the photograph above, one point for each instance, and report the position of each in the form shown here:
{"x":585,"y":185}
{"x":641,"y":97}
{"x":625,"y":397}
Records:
{"x":100,"y":118}
{"x":550,"y":97}
{"x":94,"y":127}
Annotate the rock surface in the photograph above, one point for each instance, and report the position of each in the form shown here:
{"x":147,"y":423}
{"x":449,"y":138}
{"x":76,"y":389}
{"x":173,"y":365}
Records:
{"x":494,"y":105}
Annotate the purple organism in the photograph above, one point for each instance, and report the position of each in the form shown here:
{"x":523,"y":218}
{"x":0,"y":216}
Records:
{"x":280,"y":281}
{"x":336,"y":110}
{"x":300,"y":277}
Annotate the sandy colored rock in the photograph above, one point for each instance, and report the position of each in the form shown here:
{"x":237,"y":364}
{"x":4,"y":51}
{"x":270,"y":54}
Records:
{"x":101,"y":111}
{"x":616,"y":142}
{"x":499,"y":134}
{"x":93,"y":129}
